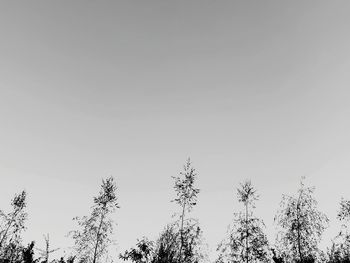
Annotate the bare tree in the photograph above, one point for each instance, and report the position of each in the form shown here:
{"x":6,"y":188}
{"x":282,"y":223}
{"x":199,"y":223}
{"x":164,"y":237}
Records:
{"x":45,"y":253}
{"x":93,"y":237}
{"x":301,"y":225}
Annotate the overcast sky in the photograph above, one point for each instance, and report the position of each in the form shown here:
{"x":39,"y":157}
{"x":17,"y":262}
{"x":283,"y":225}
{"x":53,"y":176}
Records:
{"x":247,"y":89}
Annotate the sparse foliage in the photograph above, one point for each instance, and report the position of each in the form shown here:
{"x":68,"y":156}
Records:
{"x":94,"y":235}
{"x":246,"y":241}
{"x":344,"y":212}
{"x":166,"y":248}
{"x":143,"y":253}
{"x":11,"y":226}
{"x":300,"y":226}
{"x":340,"y":251}
{"x":186,"y":197}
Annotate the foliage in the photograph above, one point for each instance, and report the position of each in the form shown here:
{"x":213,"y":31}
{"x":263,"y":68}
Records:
{"x":12,"y":252}
{"x":11,"y":226}
{"x":93,"y":237}
{"x":166,"y":248}
{"x":143,"y":252}
{"x":246,"y":241}
{"x":28,"y":254}
{"x":184,"y":187}
{"x":344,"y":212}
{"x":340,"y":251}
{"x":336,"y":254}
{"x":300,"y":226}
{"x":70,"y":259}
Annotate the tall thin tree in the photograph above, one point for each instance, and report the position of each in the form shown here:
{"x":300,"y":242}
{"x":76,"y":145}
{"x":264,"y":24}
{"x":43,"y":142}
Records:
{"x":247,"y":195}
{"x":12,"y":224}
{"x":246,"y":241}
{"x":186,"y":196}
{"x":93,"y":237}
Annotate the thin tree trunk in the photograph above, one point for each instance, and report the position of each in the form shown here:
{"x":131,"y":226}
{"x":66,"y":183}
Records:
{"x":246,"y":225}
{"x":47,"y":248}
{"x":97,"y":239}
{"x":181,"y":230}
{"x":8,"y":228}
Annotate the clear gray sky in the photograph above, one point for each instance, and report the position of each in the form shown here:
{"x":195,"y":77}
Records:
{"x":247,"y":89}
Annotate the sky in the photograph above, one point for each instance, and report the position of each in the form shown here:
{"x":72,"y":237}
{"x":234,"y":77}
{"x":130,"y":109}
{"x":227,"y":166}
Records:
{"x":253,"y":90}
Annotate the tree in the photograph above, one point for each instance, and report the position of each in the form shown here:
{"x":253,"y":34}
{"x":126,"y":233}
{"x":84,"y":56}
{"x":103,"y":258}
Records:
{"x":12,"y":224}
{"x":186,"y":197}
{"x":190,"y":239}
{"x":300,"y":226}
{"x":340,"y":251}
{"x":180,"y":241}
{"x":166,"y":248}
{"x":246,"y":241}
{"x":93,"y":237}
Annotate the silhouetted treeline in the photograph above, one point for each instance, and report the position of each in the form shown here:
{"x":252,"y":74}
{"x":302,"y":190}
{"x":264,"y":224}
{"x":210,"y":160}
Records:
{"x":300,"y":228}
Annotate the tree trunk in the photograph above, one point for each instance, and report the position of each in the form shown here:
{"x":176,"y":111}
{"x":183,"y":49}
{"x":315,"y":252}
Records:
{"x":8,"y":228}
{"x":181,"y":230}
{"x":97,"y":239}
{"x":246,"y":225}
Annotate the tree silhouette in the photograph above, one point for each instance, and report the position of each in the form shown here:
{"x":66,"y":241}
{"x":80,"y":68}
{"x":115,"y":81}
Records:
{"x":11,"y":226}
{"x":300,"y":226}
{"x":93,"y":237}
{"x":180,"y":241}
{"x":340,"y":251}
{"x":186,"y":197}
{"x":166,"y":248}
{"x":143,"y":253}
{"x":246,"y":241}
